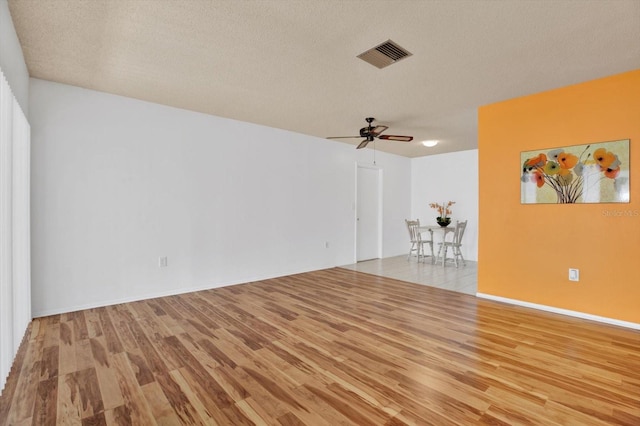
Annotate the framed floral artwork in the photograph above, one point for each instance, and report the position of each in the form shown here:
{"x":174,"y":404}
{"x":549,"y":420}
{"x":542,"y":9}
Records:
{"x":594,"y":173}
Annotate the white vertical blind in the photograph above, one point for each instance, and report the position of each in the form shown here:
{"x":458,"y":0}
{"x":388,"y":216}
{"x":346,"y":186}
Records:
{"x":15,"y":278}
{"x":21,"y":225}
{"x":6,"y":237}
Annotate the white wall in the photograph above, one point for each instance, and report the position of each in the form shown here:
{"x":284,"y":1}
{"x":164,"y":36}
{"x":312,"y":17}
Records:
{"x":12,"y":60}
{"x":396,"y":196}
{"x":448,"y":177}
{"x":118,"y":182}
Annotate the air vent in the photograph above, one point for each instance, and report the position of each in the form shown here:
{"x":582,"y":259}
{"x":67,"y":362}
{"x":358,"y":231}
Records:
{"x":384,"y":54}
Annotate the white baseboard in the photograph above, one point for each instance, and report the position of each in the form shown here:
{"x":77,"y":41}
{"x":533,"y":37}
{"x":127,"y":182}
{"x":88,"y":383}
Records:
{"x":568,"y":312}
{"x":171,"y":292}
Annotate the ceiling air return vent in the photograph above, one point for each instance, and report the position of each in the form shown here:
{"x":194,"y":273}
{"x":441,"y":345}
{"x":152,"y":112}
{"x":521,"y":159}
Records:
{"x":384,"y":54}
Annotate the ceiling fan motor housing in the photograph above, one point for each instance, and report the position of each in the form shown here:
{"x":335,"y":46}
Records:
{"x":365,"y":132}
{"x":370,"y":133}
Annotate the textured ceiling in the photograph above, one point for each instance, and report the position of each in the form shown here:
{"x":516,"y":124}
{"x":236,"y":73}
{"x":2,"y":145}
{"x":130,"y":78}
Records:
{"x":291,"y":64}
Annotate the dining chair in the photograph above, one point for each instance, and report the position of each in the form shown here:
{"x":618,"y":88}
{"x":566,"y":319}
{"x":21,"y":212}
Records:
{"x":455,"y":244}
{"x":417,"y":241}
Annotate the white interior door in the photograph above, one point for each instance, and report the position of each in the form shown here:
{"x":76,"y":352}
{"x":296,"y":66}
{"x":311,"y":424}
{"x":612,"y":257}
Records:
{"x":368,"y":214}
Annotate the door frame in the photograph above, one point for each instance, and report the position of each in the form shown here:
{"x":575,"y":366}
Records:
{"x":379,"y":209}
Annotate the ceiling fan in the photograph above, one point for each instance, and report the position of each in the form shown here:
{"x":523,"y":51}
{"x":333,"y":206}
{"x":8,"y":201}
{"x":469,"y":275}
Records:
{"x":373,"y":132}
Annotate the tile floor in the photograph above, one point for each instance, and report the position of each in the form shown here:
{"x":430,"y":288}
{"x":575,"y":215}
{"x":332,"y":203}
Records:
{"x":463,"y":279}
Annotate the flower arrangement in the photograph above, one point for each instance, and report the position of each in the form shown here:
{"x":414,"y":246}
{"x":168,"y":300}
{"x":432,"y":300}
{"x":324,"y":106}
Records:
{"x":444,"y":212}
{"x":571,"y":176}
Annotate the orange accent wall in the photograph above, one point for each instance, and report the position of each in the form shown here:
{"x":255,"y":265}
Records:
{"x":525,"y":251}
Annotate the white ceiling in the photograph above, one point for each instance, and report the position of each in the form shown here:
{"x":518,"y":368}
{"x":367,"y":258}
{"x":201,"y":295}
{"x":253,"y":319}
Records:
{"x":291,"y":64}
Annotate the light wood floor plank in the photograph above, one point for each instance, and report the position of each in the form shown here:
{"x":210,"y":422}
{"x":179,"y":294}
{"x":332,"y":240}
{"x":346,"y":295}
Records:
{"x":332,"y":347}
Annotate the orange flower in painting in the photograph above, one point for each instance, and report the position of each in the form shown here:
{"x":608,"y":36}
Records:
{"x":537,"y":161}
{"x":567,"y":160}
{"x":612,"y":173}
{"x":539,"y":177}
{"x":604,"y":158}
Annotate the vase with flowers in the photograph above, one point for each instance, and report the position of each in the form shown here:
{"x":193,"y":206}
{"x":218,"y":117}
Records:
{"x":444,"y":212}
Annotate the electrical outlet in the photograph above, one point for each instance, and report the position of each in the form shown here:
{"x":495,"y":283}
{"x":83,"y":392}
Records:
{"x":163,"y":262}
{"x":574,"y":274}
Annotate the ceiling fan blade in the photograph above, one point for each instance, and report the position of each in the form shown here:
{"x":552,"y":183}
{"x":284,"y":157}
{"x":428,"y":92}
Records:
{"x":396,"y":138}
{"x":363,"y":144}
{"x":371,"y":133}
{"x":378,"y":129}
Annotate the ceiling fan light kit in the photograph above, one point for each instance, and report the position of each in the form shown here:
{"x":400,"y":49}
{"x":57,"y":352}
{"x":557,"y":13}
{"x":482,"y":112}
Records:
{"x":370,"y":133}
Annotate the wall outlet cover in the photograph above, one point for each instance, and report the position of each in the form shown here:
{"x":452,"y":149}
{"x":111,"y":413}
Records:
{"x":574,"y":274}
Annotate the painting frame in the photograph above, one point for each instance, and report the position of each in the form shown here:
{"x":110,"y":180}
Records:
{"x":576,"y":174}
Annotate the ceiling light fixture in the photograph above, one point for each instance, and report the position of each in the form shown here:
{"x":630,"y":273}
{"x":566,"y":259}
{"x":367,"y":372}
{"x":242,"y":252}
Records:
{"x":430,"y":144}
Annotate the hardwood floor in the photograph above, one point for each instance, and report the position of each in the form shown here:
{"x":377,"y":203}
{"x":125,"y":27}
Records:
{"x":323,"y":348}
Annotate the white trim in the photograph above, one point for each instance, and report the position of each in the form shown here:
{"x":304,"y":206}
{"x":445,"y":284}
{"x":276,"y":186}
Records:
{"x":561,"y":311}
{"x":355,"y":214}
{"x":380,"y":210}
{"x":7,"y":351}
{"x":21,"y":268}
{"x":380,"y":206}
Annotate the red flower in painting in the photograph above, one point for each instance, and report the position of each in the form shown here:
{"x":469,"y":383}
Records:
{"x":612,"y":173}
{"x":539,"y":177}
